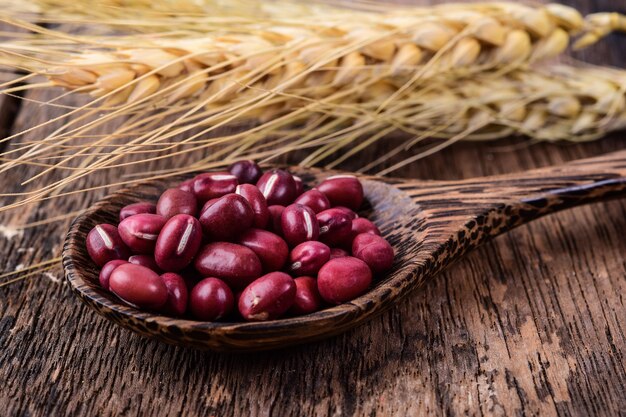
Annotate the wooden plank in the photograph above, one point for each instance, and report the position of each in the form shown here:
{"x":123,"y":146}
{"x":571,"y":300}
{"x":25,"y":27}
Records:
{"x":531,"y":324}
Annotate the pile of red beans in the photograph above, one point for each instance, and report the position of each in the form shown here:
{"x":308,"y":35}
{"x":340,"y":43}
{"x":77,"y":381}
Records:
{"x":242,"y":242}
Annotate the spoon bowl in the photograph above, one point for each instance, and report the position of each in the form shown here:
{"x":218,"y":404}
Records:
{"x":429,"y":224}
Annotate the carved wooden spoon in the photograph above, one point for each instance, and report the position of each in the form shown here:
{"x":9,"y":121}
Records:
{"x":430,"y":224}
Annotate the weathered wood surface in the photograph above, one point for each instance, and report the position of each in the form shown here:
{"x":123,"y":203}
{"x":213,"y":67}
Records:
{"x":530,"y":324}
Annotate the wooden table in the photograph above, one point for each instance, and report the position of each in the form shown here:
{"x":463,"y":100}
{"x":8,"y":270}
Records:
{"x":530,"y":324}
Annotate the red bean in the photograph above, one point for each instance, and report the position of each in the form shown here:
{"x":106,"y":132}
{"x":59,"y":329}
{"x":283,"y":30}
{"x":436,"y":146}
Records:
{"x":298,"y":224}
{"x":187,"y":185}
{"x":213,"y":185}
{"x":268,"y":297}
{"x":349,"y":212}
{"x":107,"y":270}
{"x":235,"y":264}
{"x":176,"y":201}
{"x":211,"y":299}
{"x":307,"y":258}
{"x":343,"y":279}
{"x":178,"y":243}
{"x":247,"y":172}
{"x":315,"y":200}
{"x":343,"y":190}
{"x":335,"y":226}
{"x":271,"y":249}
{"x":258,"y":203}
{"x":234,"y":212}
{"x":338,"y":253}
{"x":208,"y":204}
{"x":362,"y":225}
{"x":104,"y":244}
{"x":177,"y":294}
{"x":278,"y":187}
{"x":227,"y":217}
{"x":145,"y":260}
{"x":137,"y":208}
{"x":307,"y":299}
{"x":375,"y":251}
{"x":138,"y":286}
{"x":141,"y":231}
{"x":299,"y":185}
{"x":274,"y":224}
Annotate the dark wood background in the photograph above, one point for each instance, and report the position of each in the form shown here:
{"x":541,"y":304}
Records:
{"x":530,"y":324}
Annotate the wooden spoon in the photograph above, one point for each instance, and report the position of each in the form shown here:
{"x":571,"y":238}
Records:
{"x":430,"y":224}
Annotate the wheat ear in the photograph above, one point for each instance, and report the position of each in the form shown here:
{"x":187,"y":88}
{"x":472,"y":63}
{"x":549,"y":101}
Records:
{"x":457,"y":39}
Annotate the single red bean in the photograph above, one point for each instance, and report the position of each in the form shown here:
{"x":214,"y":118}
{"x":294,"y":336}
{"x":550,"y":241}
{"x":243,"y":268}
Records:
{"x":278,"y":187}
{"x":145,"y":260}
{"x":208,"y":204}
{"x":176,"y":201}
{"x":235,"y":264}
{"x":299,"y":185}
{"x":258,"y":203}
{"x":335,"y":226}
{"x":298,"y":224}
{"x":308,"y":257}
{"x":211,"y":299}
{"x":227,"y":217}
{"x":104,"y":244}
{"x":138,"y":286}
{"x":343,"y":279}
{"x":107,"y":270}
{"x":247,"y":172}
{"x":363,"y":225}
{"x":276,"y":213}
{"x":343,"y":190}
{"x":315,"y":200}
{"x":178,"y":243}
{"x":187,"y":185}
{"x":360,"y":225}
{"x":140,"y":232}
{"x":307,"y":298}
{"x":271,"y":249}
{"x":375,"y":251}
{"x":338,"y":253}
{"x":177,"y":294}
{"x":213,"y":185}
{"x":137,"y":208}
{"x":349,"y":212}
{"x":268,"y":297}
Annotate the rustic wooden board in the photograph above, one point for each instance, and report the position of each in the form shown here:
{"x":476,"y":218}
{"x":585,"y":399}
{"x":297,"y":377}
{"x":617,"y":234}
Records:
{"x":530,"y":324}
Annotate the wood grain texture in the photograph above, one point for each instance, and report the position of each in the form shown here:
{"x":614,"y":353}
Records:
{"x":530,"y":324}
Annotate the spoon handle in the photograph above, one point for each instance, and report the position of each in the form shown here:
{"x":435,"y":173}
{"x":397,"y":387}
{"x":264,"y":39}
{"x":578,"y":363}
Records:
{"x":489,"y":206}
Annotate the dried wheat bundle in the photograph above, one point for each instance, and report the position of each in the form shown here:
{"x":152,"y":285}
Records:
{"x":450,"y":72}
